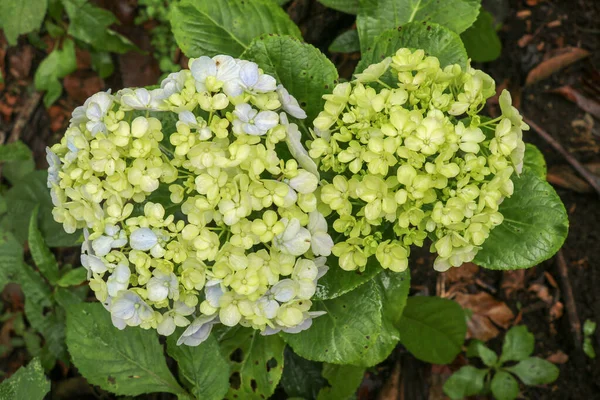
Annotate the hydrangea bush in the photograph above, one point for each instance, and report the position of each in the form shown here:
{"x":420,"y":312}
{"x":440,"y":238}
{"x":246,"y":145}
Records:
{"x":197,"y":201}
{"x":411,"y":161}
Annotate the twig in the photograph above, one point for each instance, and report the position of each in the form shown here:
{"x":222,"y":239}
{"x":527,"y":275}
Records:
{"x":569,"y":299}
{"x":24,"y":116}
{"x":583,"y":171}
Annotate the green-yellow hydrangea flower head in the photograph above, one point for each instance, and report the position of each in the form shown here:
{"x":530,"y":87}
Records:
{"x":191,"y":213}
{"x":411,"y":159}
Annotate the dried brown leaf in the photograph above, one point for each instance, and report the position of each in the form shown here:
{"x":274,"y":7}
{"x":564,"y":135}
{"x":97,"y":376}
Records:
{"x":548,"y":67}
{"x":558,"y":357}
{"x":587,"y":104}
{"x":513,"y":281}
{"x":488,"y":313}
{"x":542,"y":292}
{"x":564,"y":177}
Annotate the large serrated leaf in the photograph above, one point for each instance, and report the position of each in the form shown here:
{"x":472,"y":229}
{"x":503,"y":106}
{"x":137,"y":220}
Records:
{"x":11,"y":258}
{"x":376,"y":16}
{"x":534,"y":228}
{"x":338,"y":282}
{"x":256,"y":362}
{"x":436,"y":40}
{"x":301,"y":68}
{"x":128,"y":362}
{"x":343,"y":381}
{"x":202,"y":367}
{"x":301,"y":377}
{"x":27,"y":383}
{"x":208,"y":28}
{"x":343,"y":335}
{"x":535,"y":161}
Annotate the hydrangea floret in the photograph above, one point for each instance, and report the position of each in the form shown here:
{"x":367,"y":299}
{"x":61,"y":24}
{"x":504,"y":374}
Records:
{"x":410,"y":158}
{"x":194,"y":213}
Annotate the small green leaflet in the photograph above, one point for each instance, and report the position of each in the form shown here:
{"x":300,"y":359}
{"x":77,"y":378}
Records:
{"x":208,"y":28}
{"x":535,"y":371}
{"x":55,"y":66}
{"x":73,"y":277}
{"x":467,"y":381}
{"x":535,"y":226}
{"x":21,"y":16}
{"x":504,"y":386}
{"x":11,"y":258}
{"x":28,"y":383}
{"x":481,"y":40}
{"x":433,"y":329}
{"x":346,"y":42}
{"x":128,"y":362}
{"x":376,"y":16}
{"x":202,"y":367}
{"x":42,"y":256}
{"x":90,"y":24}
{"x":518,"y":344}
{"x":15,"y":151}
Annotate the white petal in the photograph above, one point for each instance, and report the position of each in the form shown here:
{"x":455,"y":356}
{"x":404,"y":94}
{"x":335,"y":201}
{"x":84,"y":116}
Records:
{"x":102,"y":245}
{"x":143,"y":239}
{"x":249,"y":73}
{"x":166,"y":327}
{"x":266,"y":120}
{"x":321,"y":244}
{"x":284,"y":290}
{"x":157,"y":291}
{"x":213,"y":294}
{"x":304,"y":182}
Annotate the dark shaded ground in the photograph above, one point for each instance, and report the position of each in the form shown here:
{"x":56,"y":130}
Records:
{"x":415,"y":380}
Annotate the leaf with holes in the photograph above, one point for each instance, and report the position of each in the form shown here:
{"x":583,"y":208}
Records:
{"x":535,"y":161}
{"x":343,"y":335}
{"x":376,"y":16}
{"x":535,"y":226}
{"x":208,"y":28}
{"x":256,"y":362}
{"x":434,"y":39}
{"x":481,"y":40}
{"x":433,"y":329}
{"x":203,"y":367}
{"x":128,"y":362}
{"x":301,"y":68}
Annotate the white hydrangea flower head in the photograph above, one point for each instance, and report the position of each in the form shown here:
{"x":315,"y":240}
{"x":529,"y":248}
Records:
{"x":194,"y":213}
{"x":413,"y":159}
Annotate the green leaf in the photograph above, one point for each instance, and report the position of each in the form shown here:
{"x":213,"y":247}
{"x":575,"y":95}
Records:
{"x":301,"y":378}
{"x":434,"y":39}
{"x":588,"y":347}
{"x":208,"y":28}
{"x":347,"y":6}
{"x":301,"y":68}
{"x":535,"y":371}
{"x":478,"y":349}
{"x":347,"y":42}
{"x":504,"y":386}
{"x":393,"y":288}
{"x":343,"y":335}
{"x":256,"y":362}
{"x":589,"y":327}
{"x":467,"y":381}
{"x":518,"y":344}
{"x":535,"y":226}
{"x":27,"y":383}
{"x":203,"y":367}
{"x":22,"y":198}
{"x":433,"y":329}
{"x":128,"y":362}
{"x":73,"y":277}
{"x":337,"y":282}
{"x":21,"y":16}
{"x":14,"y":171}
{"x":11,"y":258}
{"x":535,"y":161}
{"x":41,"y":254}
{"x":90,"y":24}
{"x":55,"y":66}
{"x":376,"y":16}
{"x":15,"y":151}
{"x":103,"y":64}
{"x":343,"y":381}
{"x":481,"y":40}
{"x":38,"y":297}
